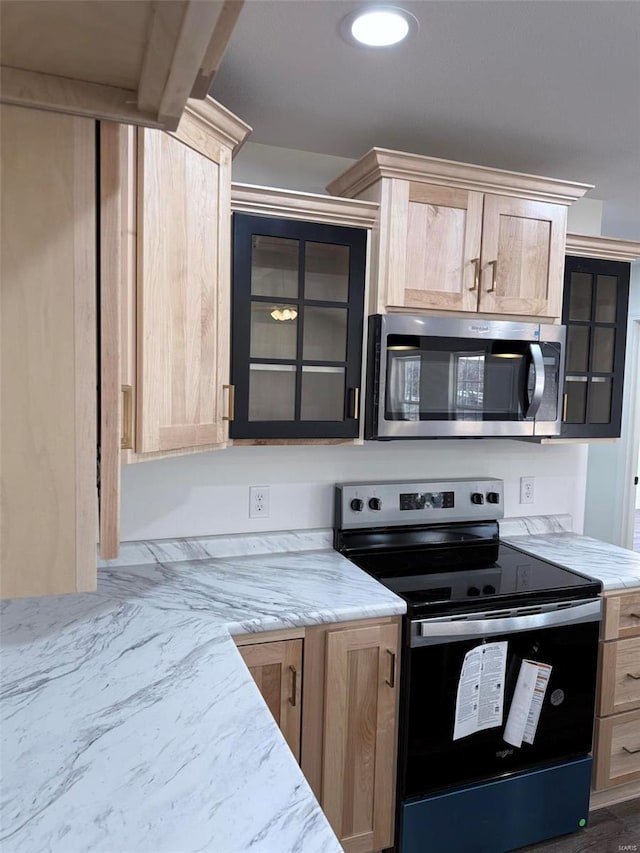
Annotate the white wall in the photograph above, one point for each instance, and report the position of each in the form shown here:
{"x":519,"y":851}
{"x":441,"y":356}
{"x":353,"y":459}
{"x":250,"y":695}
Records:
{"x":205,"y":494}
{"x":611,"y":464}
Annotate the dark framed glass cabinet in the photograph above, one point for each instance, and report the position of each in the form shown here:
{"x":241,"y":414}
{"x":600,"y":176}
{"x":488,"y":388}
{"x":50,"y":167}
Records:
{"x":595,"y":306}
{"x":297,"y":326}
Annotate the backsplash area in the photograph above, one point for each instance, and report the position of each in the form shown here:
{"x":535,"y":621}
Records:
{"x":208,"y":494}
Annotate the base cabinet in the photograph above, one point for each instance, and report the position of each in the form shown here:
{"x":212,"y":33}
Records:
{"x":349,"y":705}
{"x":617,"y":734}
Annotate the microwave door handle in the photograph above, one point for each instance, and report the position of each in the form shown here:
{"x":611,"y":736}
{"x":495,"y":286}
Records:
{"x":538,"y":388}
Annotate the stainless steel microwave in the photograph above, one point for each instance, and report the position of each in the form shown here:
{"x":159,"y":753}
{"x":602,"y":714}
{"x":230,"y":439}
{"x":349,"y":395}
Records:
{"x":440,"y":377}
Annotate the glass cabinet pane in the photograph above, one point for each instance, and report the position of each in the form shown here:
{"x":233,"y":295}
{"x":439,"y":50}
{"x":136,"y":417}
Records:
{"x":576,"y":408}
{"x":600,"y":400}
{"x":580,"y":296}
{"x":322,"y":393}
{"x":577,"y":348}
{"x":325,"y":334}
{"x":603,"y":344}
{"x":272,"y":392}
{"x":606,"y":298}
{"x":326,"y":274}
{"x":274,"y":266}
{"x":270,"y":336}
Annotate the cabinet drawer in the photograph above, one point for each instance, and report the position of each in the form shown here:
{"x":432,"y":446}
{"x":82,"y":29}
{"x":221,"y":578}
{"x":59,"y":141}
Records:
{"x":617,"y":750}
{"x":620,"y":690}
{"x":622,"y":616}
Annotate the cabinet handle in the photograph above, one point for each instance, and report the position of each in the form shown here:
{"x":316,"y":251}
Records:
{"x":635,"y":677}
{"x":631,"y":751}
{"x":294,"y":685}
{"x":565,"y":400}
{"x":635,"y":615}
{"x":356,"y":403}
{"x":126,"y":437}
{"x":476,"y":273}
{"x":232,"y":402}
{"x":493,"y":265}
{"x":391,"y":681}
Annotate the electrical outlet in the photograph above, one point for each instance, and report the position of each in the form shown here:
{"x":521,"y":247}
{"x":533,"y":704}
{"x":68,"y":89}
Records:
{"x":527,"y":490}
{"x":259,"y":502}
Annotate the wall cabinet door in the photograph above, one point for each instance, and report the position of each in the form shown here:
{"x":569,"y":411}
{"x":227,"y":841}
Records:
{"x":48,"y":353}
{"x":358,"y":760}
{"x":596,"y":298}
{"x":277,"y":670}
{"x":522,"y":257}
{"x":298,"y":303}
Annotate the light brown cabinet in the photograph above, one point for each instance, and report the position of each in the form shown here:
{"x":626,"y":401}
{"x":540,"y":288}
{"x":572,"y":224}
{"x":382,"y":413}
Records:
{"x":349,"y":698}
{"x":462,"y":238}
{"x":276,"y":668}
{"x":133,"y":62}
{"x":617,"y":744}
{"x":165,"y":290}
{"x":48,"y":353}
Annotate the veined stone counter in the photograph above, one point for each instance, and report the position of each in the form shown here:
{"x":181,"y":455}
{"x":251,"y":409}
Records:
{"x":130,"y":722}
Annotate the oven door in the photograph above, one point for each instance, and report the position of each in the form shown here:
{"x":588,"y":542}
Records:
{"x":566,"y":639}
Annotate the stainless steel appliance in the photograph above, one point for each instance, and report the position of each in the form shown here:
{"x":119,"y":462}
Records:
{"x":492,"y":760}
{"x":431,"y":377}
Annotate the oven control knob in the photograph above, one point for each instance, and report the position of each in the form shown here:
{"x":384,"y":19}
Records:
{"x":477,"y":498}
{"x":375,"y":503}
{"x":357,"y":504}
{"x":488,"y":589}
{"x":473,"y":590}
{"x":493,"y":497}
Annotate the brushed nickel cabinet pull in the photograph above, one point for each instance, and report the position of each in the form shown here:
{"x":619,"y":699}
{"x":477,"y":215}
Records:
{"x":476,"y":273}
{"x":391,"y":681}
{"x":565,"y":400}
{"x":294,"y":685}
{"x":494,"y":266}
{"x":126,"y":437}
{"x":635,"y":677}
{"x":631,"y":751}
{"x":232,"y":402}
{"x":356,"y":403}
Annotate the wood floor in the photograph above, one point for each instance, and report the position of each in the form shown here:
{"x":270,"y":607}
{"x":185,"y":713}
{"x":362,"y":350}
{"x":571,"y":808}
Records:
{"x":612,"y":830}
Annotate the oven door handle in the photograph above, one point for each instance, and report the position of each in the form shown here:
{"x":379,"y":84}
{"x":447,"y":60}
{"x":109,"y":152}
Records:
{"x":428,"y":632}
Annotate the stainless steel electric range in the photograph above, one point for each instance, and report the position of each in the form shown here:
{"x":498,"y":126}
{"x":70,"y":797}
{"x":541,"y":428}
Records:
{"x":498,"y":667}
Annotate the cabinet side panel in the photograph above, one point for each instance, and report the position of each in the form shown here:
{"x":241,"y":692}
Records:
{"x":48,"y":417}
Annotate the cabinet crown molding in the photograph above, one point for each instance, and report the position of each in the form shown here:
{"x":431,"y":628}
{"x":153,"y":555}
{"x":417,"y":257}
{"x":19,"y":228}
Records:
{"x":293,"y":204}
{"x":382,"y":163}
{"x":219,"y":122}
{"x":593,"y":246}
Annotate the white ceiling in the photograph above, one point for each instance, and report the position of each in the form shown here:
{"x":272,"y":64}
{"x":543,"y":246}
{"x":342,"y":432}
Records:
{"x":549,"y":87}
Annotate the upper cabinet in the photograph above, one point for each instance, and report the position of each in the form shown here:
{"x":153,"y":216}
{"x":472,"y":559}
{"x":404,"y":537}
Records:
{"x":596,"y":296}
{"x":132,"y":61}
{"x":47,"y":353}
{"x":298,"y":305}
{"x":456,"y":237}
{"x":165,"y":229}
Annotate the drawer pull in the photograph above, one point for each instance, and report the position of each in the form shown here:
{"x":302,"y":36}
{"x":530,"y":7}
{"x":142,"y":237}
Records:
{"x":294,"y":686}
{"x":635,"y":615}
{"x":391,"y":681}
{"x":631,"y":751}
{"x":635,"y":677}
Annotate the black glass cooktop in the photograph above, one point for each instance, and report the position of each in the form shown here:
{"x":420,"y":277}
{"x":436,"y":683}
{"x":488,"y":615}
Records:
{"x":474,"y":574}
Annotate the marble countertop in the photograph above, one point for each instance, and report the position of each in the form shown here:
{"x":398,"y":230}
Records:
{"x":130,"y":722}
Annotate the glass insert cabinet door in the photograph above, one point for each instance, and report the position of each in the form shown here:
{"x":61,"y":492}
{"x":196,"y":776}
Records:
{"x":296,"y":348}
{"x":595,"y":305}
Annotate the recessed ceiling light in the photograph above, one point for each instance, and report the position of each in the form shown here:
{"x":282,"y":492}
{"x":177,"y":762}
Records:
{"x":378,"y":26}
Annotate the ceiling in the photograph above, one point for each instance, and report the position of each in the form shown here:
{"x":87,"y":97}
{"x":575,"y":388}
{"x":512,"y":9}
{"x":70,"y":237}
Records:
{"x":549,"y":87}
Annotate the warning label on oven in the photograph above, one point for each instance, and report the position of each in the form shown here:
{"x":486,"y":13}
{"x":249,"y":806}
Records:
{"x":522,"y":722}
{"x":480,"y":695}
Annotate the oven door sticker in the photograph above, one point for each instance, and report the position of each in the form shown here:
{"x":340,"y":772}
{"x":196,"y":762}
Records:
{"x":524,"y":714}
{"x":480,"y":695}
